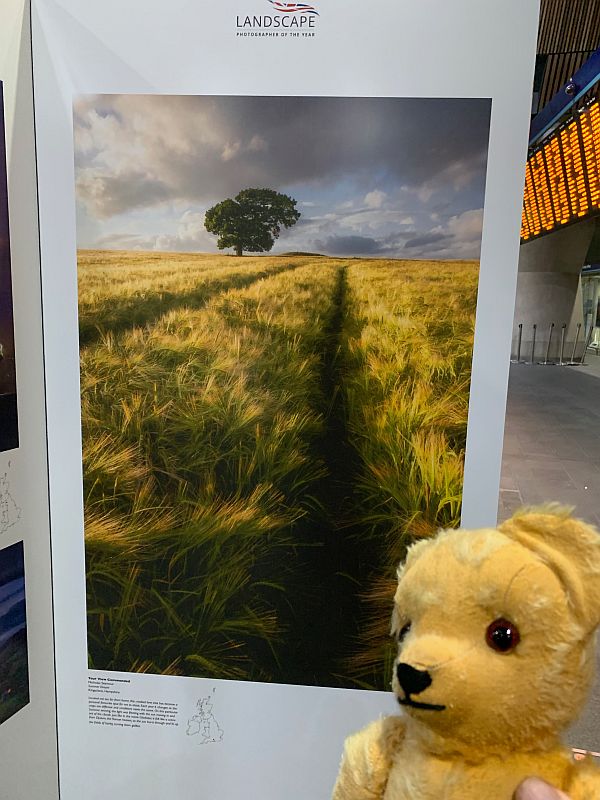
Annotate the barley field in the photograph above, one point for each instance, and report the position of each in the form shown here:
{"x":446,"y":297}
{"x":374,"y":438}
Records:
{"x":408,"y":342}
{"x":262,"y":438}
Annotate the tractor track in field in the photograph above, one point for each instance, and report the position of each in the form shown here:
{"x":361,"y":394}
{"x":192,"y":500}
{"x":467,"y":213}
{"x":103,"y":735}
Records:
{"x":146,"y":312}
{"x":324,"y":624}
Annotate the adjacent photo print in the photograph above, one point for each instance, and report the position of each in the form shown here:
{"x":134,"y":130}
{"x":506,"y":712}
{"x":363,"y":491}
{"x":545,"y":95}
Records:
{"x":14,"y":675}
{"x":277,"y":301}
{"x":9,"y":433}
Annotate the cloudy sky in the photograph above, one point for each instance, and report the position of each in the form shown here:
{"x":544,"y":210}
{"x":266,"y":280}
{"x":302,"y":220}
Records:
{"x":380,"y":177}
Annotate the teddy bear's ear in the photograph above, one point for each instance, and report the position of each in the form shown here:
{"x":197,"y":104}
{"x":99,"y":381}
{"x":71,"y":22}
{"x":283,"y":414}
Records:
{"x":412,"y":554}
{"x":570,"y":547}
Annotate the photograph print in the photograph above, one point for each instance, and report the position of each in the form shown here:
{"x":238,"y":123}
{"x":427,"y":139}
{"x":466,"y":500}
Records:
{"x":9,"y":435}
{"x":14,"y":671}
{"x":277,"y":302}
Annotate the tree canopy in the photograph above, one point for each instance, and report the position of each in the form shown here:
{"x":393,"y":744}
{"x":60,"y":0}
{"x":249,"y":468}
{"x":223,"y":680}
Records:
{"x":252,"y":220}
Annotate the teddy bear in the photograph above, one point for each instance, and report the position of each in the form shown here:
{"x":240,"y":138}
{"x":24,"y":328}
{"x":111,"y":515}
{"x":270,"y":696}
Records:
{"x":495,"y":632}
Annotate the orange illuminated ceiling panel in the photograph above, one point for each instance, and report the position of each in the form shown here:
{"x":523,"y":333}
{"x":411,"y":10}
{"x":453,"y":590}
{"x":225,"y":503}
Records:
{"x":542,"y":190}
{"x":591,"y":138}
{"x":558,"y":182}
{"x":562,"y":183}
{"x":524,"y":226}
{"x":531,"y":206}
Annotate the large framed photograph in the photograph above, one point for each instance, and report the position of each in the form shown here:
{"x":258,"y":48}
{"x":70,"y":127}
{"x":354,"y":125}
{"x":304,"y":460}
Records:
{"x":9,"y":433}
{"x":14,"y":662}
{"x":277,"y":303}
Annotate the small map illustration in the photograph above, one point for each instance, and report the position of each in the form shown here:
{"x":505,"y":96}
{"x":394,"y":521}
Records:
{"x":10,"y":512}
{"x":203,"y":724}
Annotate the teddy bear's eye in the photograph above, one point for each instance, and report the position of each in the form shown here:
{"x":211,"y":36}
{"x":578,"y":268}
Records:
{"x":403,"y":631}
{"x":502,"y":635}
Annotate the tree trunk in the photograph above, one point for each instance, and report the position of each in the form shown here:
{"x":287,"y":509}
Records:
{"x":238,"y":250}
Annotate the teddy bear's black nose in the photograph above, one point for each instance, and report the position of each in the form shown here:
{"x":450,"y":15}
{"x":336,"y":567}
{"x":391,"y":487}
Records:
{"x":412,"y":680}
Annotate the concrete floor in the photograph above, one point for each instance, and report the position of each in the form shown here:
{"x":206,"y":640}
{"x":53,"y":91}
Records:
{"x":552,"y":439}
{"x":552,"y":453}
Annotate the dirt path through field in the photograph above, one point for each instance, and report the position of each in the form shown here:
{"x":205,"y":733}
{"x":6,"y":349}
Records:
{"x":325,"y":621}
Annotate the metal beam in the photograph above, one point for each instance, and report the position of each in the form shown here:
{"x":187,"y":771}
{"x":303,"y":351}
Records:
{"x":563,"y":100}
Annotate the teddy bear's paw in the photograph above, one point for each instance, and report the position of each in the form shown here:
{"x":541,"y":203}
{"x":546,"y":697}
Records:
{"x":367,"y":760}
{"x":585,"y":781}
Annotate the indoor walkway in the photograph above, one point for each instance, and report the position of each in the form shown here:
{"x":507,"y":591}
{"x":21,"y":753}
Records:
{"x":552,"y":438}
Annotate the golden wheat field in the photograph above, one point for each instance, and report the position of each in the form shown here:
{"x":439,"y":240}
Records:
{"x":261,"y":435}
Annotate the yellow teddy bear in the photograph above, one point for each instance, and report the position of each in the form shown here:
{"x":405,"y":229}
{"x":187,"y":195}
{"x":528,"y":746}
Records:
{"x":495,"y":632}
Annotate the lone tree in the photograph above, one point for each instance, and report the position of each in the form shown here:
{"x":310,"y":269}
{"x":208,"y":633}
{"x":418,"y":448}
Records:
{"x":252,"y":220}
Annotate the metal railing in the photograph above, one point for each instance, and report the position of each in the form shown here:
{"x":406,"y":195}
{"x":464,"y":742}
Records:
{"x":565,"y":352}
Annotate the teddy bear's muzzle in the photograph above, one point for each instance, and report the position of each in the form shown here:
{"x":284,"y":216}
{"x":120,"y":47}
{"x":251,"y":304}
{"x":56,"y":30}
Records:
{"x":414,"y":681}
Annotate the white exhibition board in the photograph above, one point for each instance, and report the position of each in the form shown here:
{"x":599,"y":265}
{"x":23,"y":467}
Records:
{"x":278,"y":741}
{"x":28,"y":739}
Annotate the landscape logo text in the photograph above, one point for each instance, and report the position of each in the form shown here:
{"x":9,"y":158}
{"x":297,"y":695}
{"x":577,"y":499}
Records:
{"x":288,"y":19}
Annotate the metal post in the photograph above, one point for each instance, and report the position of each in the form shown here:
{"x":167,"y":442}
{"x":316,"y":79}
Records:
{"x":517,"y":360}
{"x":547,"y":359}
{"x":562,"y":344}
{"x":587,"y":344}
{"x":572,"y":362}
{"x":533,"y":343}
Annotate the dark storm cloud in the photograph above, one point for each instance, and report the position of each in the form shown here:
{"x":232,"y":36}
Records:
{"x":428,"y":239}
{"x":200,"y":149}
{"x":348,"y":245}
{"x":311,"y":137}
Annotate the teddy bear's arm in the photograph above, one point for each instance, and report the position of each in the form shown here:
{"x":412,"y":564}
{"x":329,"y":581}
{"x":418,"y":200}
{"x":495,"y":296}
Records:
{"x":584,"y":781}
{"x":367,"y":760}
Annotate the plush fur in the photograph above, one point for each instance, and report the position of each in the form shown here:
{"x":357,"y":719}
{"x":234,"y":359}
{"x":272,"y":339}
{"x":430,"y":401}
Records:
{"x":502,"y":711}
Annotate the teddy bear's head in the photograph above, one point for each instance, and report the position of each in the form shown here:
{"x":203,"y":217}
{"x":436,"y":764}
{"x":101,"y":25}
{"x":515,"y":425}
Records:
{"x":495,"y":630}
